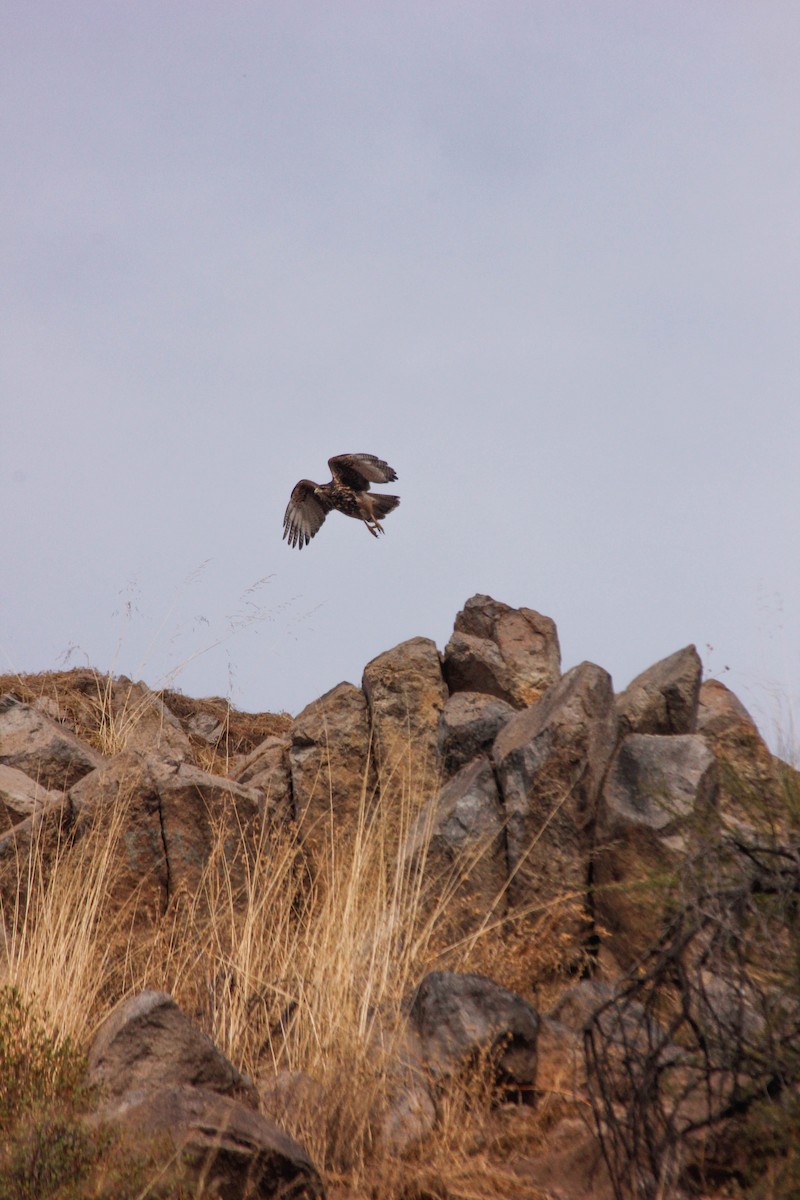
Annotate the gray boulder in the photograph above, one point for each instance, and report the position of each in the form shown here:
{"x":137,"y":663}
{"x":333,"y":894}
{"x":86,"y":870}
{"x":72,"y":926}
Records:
{"x":550,"y":761}
{"x":664,"y":698}
{"x":229,"y":1150}
{"x":460,"y":835}
{"x":148,"y":1043}
{"x":464,"y":1020}
{"x":658,"y":805}
{"x":469,"y":723}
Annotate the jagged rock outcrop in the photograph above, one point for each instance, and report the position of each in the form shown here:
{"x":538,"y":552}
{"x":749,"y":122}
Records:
{"x":406,"y":694}
{"x":460,"y":838}
{"x":664,"y":698}
{"x":506,"y":652}
{"x":562,"y":818}
{"x":658,"y":805}
{"x":551,"y":760}
{"x":469,"y":723}
{"x":331,"y":765}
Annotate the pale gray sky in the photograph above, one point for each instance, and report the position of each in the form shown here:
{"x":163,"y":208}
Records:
{"x":542,"y":257}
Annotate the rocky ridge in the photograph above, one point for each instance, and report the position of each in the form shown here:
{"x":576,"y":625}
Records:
{"x":535,"y":792}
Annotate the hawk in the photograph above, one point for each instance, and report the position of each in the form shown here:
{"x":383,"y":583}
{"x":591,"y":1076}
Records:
{"x":347,"y":492}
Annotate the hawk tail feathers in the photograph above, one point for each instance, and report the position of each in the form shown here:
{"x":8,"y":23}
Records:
{"x":383,"y":505}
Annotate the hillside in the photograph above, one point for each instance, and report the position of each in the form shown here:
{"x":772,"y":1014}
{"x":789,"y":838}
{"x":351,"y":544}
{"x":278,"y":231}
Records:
{"x":473,"y":928}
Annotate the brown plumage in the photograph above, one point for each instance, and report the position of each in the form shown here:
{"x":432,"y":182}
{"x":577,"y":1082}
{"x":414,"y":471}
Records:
{"x":348,"y":493}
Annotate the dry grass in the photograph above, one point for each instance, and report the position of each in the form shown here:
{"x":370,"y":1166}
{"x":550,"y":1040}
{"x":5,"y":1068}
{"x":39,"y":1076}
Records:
{"x":302,"y":967}
{"x":104,"y":711}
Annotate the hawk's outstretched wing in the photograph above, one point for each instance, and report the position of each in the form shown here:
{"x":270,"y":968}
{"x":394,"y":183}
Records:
{"x":305,"y":513}
{"x":357,"y":471}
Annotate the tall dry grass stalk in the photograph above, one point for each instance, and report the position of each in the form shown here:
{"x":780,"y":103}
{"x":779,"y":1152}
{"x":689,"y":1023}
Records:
{"x":64,"y":938}
{"x":290,"y":960}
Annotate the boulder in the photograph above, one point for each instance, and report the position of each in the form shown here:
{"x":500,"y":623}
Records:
{"x":121,"y":801}
{"x":404,"y":1112}
{"x":32,"y":742}
{"x":229,"y":1150}
{"x":658,"y":806}
{"x":664,"y":698}
{"x":28,"y":852}
{"x":751,"y":781}
{"x":550,"y":761}
{"x":468,"y":1020}
{"x":506,"y":652}
{"x":200,"y":812}
{"x":174,"y":817}
{"x":148,"y":1043}
{"x":134,"y":718}
{"x":469,"y":723}
{"x":333,"y":778}
{"x":459,"y":838}
{"x":21,"y":797}
{"x":406,"y":694}
{"x":406,"y":1117}
{"x":266,"y":769}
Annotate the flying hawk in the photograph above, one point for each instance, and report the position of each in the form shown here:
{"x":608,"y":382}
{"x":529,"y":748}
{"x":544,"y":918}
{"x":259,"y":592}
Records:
{"x":347,"y":492}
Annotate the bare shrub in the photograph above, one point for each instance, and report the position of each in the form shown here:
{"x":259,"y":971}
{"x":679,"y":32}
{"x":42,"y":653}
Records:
{"x":706,"y":1028}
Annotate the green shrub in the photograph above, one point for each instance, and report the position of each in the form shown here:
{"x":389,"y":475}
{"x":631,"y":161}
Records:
{"x":35,"y":1068}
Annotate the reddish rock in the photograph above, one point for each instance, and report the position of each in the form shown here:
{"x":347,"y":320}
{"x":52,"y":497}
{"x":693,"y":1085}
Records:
{"x":753,"y":784}
{"x":505,"y":652}
{"x":333,"y":777}
{"x":148,"y":1043}
{"x":174,"y":817}
{"x":46,"y":751}
{"x":406,"y":694}
{"x":121,"y":801}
